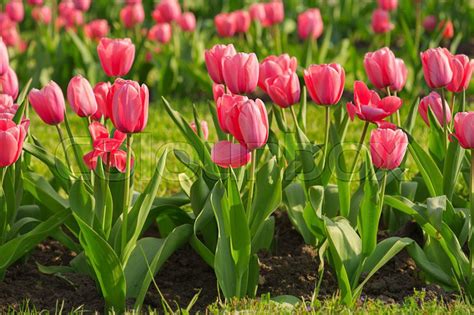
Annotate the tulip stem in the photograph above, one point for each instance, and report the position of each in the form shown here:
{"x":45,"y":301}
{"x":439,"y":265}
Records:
{"x":126,"y":204}
{"x":251,"y":180}
{"x":61,"y":139}
{"x":445,"y":118}
{"x":326,"y":136}
{"x":359,"y":148}
{"x":471,"y":239}
{"x":106,"y":184}
{"x":277,"y":38}
{"x":3,"y":170}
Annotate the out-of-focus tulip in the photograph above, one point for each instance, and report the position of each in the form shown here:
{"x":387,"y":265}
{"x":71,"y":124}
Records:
{"x":257,"y":12}
{"x":130,"y":107}
{"x":225,"y":24}
{"x":81,"y":96}
{"x":401,"y":74}
{"x":82,"y":5}
{"x":161,"y":33}
{"x":384,"y":70}
{"x":225,"y":106}
{"x":12,"y":137}
{"x":274,"y":13}
{"x":15,"y":10}
{"x":381,"y":21}
{"x":241,"y":72}
{"x":463,"y":129}
{"x":41,"y":14}
{"x":72,"y":18}
{"x":227,"y":154}
{"x":369,"y":107}
{"x":242,"y":21}
{"x":187,"y":22}
{"x":101,"y":93}
{"x":273,"y":66}
{"x":325,"y":83}
{"x":96,"y":29}
{"x":132,"y":15}
{"x":48,"y":103}
{"x":447,"y":28}
{"x":462,"y":73}
{"x":310,"y":24}
{"x":429,"y":23}
{"x":435,"y":103}
{"x":133,"y":1}
{"x":9,"y":83}
{"x":4,"y":59}
{"x":388,"y":5}
{"x":169,"y":10}
{"x":217,"y":91}
{"x":10,"y":36}
{"x":249,"y":124}
{"x":116,"y":56}
{"x":388,"y":148}
{"x":7,"y":108}
{"x":437,"y":67}
{"x":35,"y":2}
{"x":204,"y":129}
{"x":214,"y":58}
{"x":284,"y":90}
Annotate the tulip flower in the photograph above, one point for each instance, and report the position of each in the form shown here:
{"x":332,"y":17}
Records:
{"x":388,"y":148}
{"x":383,"y":69}
{"x":435,"y":103}
{"x":15,"y":10}
{"x":388,"y":5}
{"x":463,"y":129}
{"x":169,"y":10}
{"x":214,"y":58}
{"x":130,"y":107}
{"x":81,"y":97}
{"x":462,"y":73}
{"x":41,"y":14}
{"x":161,"y":33}
{"x":447,"y":28}
{"x":284,"y":90}
{"x":225,"y":24}
{"x":241,"y":72}
{"x":187,"y":22}
{"x":82,"y":5}
{"x":9,"y":83}
{"x":369,"y":107}
{"x":217,"y":91}
{"x":225,"y":105}
{"x":132,"y":15}
{"x":429,"y":23}
{"x":12,"y":137}
{"x":400,"y":77}
{"x":4,"y":59}
{"x":257,"y":12}
{"x":48,"y":103}
{"x":273,"y":66}
{"x":101,"y":93}
{"x":437,"y":67}
{"x":325,"y":83}
{"x":227,"y":154}
{"x":242,"y":21}
{"x":310,"y":24}
{"x":7,"y":108}
{"x":96,"y":29}
{"x":381,"y":21}
{"x":204,"y":129}
{"x":116,"y":56}
{"x":274,"y":13}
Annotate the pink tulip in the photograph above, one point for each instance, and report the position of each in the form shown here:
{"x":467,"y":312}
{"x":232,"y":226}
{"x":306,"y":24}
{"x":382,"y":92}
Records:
{"x":435,"y":103}
{"x":249,"y":124}
{"x":463,"y":129}
{"x":225,"y":24}
{"x":81,"y":97}
{"x":4,"y":59}
{"x":133,"y":1}
{"x":384,"y":70}
{"x":225,"y":106}
{"x":15,"y":10}
{"x":204,"y":129}
{"x":257,"y":12}
{"x":274,"y":13}
{"x":73,"y":18}
{"x":325,"y":83}
{"x":161,"y":33}
{"x":462,"y":72}
{"x":369,"y":107}
{"x":12,"y":137}
{"x":214,"y":58}
{"x":218,"y":90}
{"x":10,"y":36}
{"x":400,"y":78}
{"x":116,"y":56}
{"x":169,"y":10}
{"x":130,"y":107}
{"x":284,"y":90}
{"x":227,"y":154}
{"x":41,"y":14}
{"x":429,"y":23}
{"x":35,"y":2}
{"x":241,"y":72}
{"x":273,"y":66}
{"x":381,"y":21}
{"x":132,"y":15}
{"x":9,"y":83}
{"x":388,"y":147}
{"x":7,"y":108}
{"x":82,"y":5}
{"x":437,"y":67}
{"x":242,"y":21}
{"x":96,"y":29}
{"x":310,"y":24}
{"x":187,"y":22}
{"x":388,"y":5}
{"x":101,"y":93}
{"x":48,"y":103}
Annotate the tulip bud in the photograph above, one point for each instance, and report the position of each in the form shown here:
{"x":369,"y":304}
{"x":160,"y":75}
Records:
{"x":132,"y":15}
{"x":274,"y":13}
{"x":170,"y":10}
{"x":380,"y":67}
{"x":41,"y":14}
{"x":310,"y":24}
{"x":116,"y":56}
{"x":273,"y":66}
{"x":388,"y":147}
{"x":388,"y":5}
{"x":82,"y":5}
{"x":257,"y":12}
{"x":130,"y":107}
{"x":462,"y":73}
{"x":12,"y":137}
{"x":217,"y":91}
{"x":325,"y":83}
{"x":250,"y":124}
{"x":9,"y":83}
{"x":437,"y":67}
{"x":101,"y":93}
{"x":435,"y":103}
{"x":227,"y":154}
{"x":48,"y":103}
{"x":96,"y":29}
{"x":429,"y":23}
{"x":214,"y":58}
{"x":242,"y":21}
{"x":284,"y":90}
{"x":225,"y":105}
{"x":7,"y":108}
{"x":447,"y":28}
{"x":241,"y":72}
{"x":381,"y":21}
{"x":225,"y":24}
{"x":187,"y":22}
{"x":463,"y":129}
{"x":15,"y":10}
{"x":204,"y":129}
{"x":161,"y":33}
{"x":4,"y":59}
{"x":81,"y":97}
{"x":400,"y":75}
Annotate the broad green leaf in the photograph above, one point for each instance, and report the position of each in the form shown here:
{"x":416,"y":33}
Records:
{"x":295,"y":200}
{"x":264,"y":236}
{"x":452,"y":167}
{"x":83,"y":204}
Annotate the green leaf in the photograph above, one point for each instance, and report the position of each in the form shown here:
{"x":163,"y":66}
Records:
{"x":452,"y":167}
{"x":83,"y":203}
{"x":264,"y":236}
{"x":295,"y":200}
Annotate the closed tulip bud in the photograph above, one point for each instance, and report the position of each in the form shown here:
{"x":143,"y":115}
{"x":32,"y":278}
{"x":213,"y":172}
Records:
{"x":381,"y":21}
{"x":225,"y":106}
{"x":388,"y":148}
{"x":435,"y":103}
{"x":7,"y":108}
{"x":284,"y":90}
{"x":130,"y":107}
{"x":225,"y":24}
{"x":463,"y":129}
{"x":310,"y":24}
{"x":101,"y":93}
{"x":214,"y":58}
{"x":241,"y":72}
{"x":429,"y":23}
{"x":249,"y":124}
{"x":388,"y":5}
{"x":257,"y":12}
{"x":187,"y":22}
{"x":274,"y":13}
{"x":97,"y":29}
{"x":217,"y":91}
{"x":116,"y":56}
{"x":132,"y":15}
{"x":161,"y":33}
{"x":15,"y":10}
{"x":204,"y":129}
{"x":82,"y":5}
{"x":325,"y":83}
{"x":227,"y":154}
{"x":447,"y":28}
{"x":462,"y":73}
{"x":400,"y":77}
{"x":381,"y":68}
{"x":48,"y":103}
{"x":81,"y":97}
{"x":437,"y":67}
{"x":369,"y":107}
{"x":12,"y":137}
{"x":273,"y":66}
{"x":170,"y":10}
{"x":242,"y":21}
{"x":4,"y":59}
{"x":9,"y":83}
{"x":41,"y":14}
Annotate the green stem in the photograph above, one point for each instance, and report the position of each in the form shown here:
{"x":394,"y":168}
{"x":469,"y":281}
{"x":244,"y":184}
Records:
{"x":61,"y":138}
{"x":251,"y":182}
{"x":3,"y":170}
{"x":359,"y":148}
{"x":445,"y":124}
{"x":277,"y":38}
{"x":382,"y":191}
{"x":326,"y":136}
{"x":106,"y":185}
{"x":471,"y":240}
{"x":126,"y":204}
{"x":293,"y":113}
